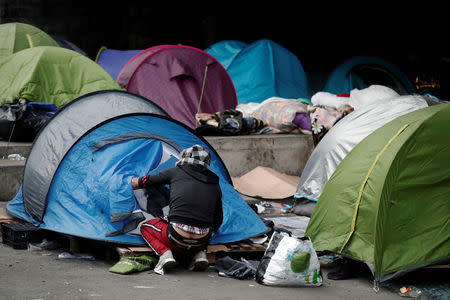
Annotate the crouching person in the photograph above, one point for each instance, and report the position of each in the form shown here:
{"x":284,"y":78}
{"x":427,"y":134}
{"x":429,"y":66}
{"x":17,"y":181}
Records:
{"x":195,"y":211}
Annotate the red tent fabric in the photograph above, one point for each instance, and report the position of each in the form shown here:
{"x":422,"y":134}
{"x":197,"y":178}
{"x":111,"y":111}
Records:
{"x":182,"y":80}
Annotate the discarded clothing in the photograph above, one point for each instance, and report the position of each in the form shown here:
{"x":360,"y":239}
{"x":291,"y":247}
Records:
{"x":227,"y":122}
{"x":304,"y":207}
{"x":22,"y":120}
{"x":127,"y":265}
{"x":243,"y":269}
{"x":325,"y":117}
{"x":348,"y":268}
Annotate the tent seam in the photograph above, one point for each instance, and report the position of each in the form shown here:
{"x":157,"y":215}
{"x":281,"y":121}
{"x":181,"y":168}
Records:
{"x":358,"y":201}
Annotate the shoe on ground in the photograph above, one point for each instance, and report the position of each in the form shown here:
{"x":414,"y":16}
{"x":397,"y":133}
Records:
{"x":199,"y":262}
{"x":166,"y":263}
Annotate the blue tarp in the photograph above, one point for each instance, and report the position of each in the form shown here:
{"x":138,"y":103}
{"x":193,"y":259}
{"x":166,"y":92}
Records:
{"x":345,"y":78}
{"x":261,"y":70}
{"x":90,"y":186}
{"x":114,"y":60}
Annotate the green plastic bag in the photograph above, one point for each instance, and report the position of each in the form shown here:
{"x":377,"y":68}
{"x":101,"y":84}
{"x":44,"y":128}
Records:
{"x":127,"y":265}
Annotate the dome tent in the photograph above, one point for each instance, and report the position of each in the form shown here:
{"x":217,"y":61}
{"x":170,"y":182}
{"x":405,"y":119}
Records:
{"x":226,"y":51}
{"x":50,"y":74}
{"x":387,"y":202}
{"x":15,"y":37}
{"x":114,"y":60}
{"x":68,"y":44}
{"x":362,"y":71}
{"x":183,"y":80}
{"x":381,"y":105}
{"x":93,"y":147}
{"x":261,"y":70}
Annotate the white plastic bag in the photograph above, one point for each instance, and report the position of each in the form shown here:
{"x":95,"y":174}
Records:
{"x":289,"y":261}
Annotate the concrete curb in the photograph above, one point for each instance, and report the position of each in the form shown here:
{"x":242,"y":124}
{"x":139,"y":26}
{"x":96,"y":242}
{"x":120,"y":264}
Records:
{"x":285,"y":153}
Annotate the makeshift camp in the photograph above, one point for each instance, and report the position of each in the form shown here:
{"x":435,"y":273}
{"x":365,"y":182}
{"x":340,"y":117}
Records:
{"x":114,"y":60}
{"x":380,"y":107}
{"x":261,"y":70}
{"x":50,"y":74}
{"x":362,"y":71}
{"x":15,"y":37}
{"x":387,"y":203}
{"x":182,"y":80}
{"x":77,"y":178}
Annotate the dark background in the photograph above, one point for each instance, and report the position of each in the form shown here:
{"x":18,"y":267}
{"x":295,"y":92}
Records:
{"x":413,"y":36}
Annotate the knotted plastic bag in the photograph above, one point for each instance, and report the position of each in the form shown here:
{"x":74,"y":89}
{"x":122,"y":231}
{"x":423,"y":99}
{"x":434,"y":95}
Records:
{"x":289,"y":261}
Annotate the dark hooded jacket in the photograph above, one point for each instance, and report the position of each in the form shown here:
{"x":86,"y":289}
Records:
{"x":195,"y":194}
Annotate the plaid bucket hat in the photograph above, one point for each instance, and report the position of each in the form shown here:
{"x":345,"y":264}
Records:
{"x":195,"y":155}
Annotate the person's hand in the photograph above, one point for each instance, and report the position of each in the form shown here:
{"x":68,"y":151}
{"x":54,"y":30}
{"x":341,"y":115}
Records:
{"x":135,"y":183}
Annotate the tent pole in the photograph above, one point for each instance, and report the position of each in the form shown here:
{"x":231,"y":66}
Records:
{"x":203,"y":89}
{"x":9,"y":140}
{"x":30,"y":41}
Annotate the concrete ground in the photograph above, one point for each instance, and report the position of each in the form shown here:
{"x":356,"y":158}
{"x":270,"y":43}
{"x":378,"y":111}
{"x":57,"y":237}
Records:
{"x":41,"y":275}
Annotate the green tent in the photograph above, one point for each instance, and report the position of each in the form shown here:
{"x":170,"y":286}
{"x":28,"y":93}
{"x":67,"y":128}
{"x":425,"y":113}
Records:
{"x":51,"y":74}
{"x":388,"y":201}
{"x":18,"y":36}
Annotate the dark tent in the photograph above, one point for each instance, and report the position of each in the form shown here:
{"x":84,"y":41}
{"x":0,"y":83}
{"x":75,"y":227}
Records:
{"x":363,"y":71}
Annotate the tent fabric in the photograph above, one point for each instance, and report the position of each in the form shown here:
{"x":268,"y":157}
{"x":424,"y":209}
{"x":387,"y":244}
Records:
{"x":84,"y":113}
{"x":183,"y":80}
{"x":15,"y":37}
{"x":82,"y":186}
{"x":226,"y":51}
{"x":51,"y":74}
{"x":114,"y":60}
{"x":387,"y":202}
{"x":362,"y":71}
{"x":68,"y":45}
{"x":348,"y":132}
{"x":261,"y":70}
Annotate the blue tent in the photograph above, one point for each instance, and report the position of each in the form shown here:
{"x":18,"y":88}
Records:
{"x":93,"y":147}
{"x":226,"y":51}
{"x":114,"y":60}
{"x":261,"y":70}
{"x":363,"y":71}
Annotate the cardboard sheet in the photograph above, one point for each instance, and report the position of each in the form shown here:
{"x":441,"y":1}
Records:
{"x":266,"y":183}
{"x":7,"y":217}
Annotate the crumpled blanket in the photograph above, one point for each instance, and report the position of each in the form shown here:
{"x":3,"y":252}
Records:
{"x":127,"y":265}
{"x":279,"y":114}
{"x":243,"y":269}
{"x":356,"y":98}
{"x":327,"y":109}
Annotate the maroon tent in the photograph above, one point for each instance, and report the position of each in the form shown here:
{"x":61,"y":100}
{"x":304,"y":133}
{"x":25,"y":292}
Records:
{"x":182,"y":80}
